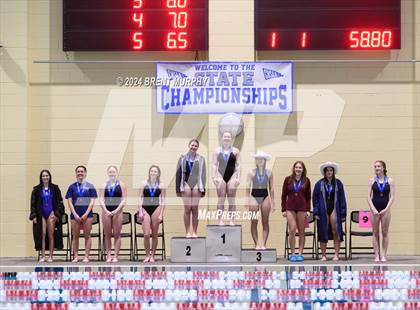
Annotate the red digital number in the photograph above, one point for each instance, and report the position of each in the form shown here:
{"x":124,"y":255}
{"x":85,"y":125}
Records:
{"x":138,"y":18}
{"x":177,"y":40}
{"x":180,"y":19}
{"x":303,"y":42}
{"x":176,"y":3}
{"x":137,"y":4}
{"x":274,"y":40}
{"x":138,"y":41}
{"x":370,"y":39}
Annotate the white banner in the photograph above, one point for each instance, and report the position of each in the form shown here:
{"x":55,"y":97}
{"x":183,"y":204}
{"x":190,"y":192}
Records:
{"x":222,"y":87}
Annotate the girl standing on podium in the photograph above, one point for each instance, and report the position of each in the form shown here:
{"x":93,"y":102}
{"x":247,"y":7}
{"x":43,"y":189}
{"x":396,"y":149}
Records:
{"x":191,"y":185}
{"x":150,"y":213}
{"x":112,"y":199}
{"x":296,"y":206}
{"x":329,"y":202}
{"x":47,"y":210}
{"x":381,"y":195}
{"x":261,"y":196}
{"x":226,"y":173}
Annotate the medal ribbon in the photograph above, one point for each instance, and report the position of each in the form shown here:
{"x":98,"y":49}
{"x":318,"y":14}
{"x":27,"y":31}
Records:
{"x":299,"y":185}
{"x":381,"y":187}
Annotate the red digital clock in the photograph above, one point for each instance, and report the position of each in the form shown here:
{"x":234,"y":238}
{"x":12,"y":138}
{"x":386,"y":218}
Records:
{"x":135,"y":25}
{"x":327,"y":24}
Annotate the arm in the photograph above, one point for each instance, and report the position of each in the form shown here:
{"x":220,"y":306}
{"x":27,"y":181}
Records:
{"x":248,"y":184}
{"x":216,"y":175}
{"x":271,"y":185}
{"x":72,"y":210}
{"x":140,"y":202}
{"x":32,"y":215}
{"x":123,"y":198}
{"x":315,"y":200}
{"x":238,"y":168}
{"x":391,"y":196}
{"x":178,"y":177}
{"x":369,"y":198}
{"x":308,"y":196}
{"x":204,"y":177}
{"x":102,"y":199}
{"x":90,"y":207}
{"x":284,"y":196}
{"x":162,"y":200}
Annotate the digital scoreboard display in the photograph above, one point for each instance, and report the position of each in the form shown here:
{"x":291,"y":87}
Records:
{"x":135,"y":25}
{"x":327,"y":24}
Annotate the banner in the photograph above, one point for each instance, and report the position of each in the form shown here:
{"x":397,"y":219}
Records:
{"x":222,"y":87}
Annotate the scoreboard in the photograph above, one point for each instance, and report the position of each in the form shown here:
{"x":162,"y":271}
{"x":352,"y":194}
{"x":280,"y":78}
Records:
{"x":327,"y":24}
{"x":182,"y":25}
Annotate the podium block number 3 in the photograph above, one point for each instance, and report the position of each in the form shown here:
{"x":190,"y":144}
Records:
{"x":259,"y":256}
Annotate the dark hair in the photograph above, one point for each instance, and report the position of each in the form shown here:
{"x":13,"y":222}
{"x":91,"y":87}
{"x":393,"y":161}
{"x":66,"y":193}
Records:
{"x":293,"y":175}
{"x":81,"y":166}
{"x":383,"y":165}
{"x":325,"y":171}
{"x":194,"y":140}
{"x":158,"y":177}
{"x":40,"y":176}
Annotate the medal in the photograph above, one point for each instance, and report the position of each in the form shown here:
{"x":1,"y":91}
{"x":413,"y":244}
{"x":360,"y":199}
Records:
{"x":381,"y":187}
{"x":190,"y":164}
{"x":260,"y":178}
{"x":152,"y":191}
{"x":111,"y":189}
{"x":226,"y":155}
{"x":80,"y":189}
{"x":329,"y":189}
{"x":296,"y":187}
{"x":45,"y":196}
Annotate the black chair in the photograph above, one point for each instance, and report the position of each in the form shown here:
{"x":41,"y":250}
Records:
{"x":343,"y":245}
{"x":66,"y":240}
{"x":311,"y":233}
{"x":354,"y":217}
{"x":140,"y":250}
{"x":128,"y":233}
{"x":94,"y":234}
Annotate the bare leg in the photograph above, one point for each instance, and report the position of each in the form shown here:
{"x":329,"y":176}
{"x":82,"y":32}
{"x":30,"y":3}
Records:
{"x":333,"y":221}
{"x":146,"y":225}
{"x":375,"y":239}
{"x":44,"y":233}
{"x":291,"y":221}
{"x":253,"y":207}
{"x":231,"y":195}
{"x":385,"y":220}
{"x":265,"y":213}
{"x":195,"y":199}
{"x":155,"y":228}
{"x":75,"y":230}
{"x":301,"y":218}
{"x":323,"y":251}
{"x":107,"y":223}
{"x":87,"y":228}
{"x":117,"y":220}
{"x":221,"y":194}
{"x":186,"y":197}
{"x":50,"y":229}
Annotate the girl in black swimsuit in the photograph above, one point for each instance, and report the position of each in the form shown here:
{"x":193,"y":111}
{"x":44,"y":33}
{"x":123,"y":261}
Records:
{"x":226,"y":174}
{"x":260,"y":189}
{"x":151,"y":206}
{"x":380,"y":198}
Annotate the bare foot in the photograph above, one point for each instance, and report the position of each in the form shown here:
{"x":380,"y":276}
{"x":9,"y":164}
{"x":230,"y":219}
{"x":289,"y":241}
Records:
{"x":50,"y":259}
{"x":75,"y":260}
{"x":377,"y":260}
{"x":336,"y":258}
{"x":188,"y":235}
{"x":86,"y":259}
{"x":263,"y":248}
{"x":42,"y":259}
{"x":147,"y":259}
{"x":221,"y":223}
{"x":194,"y":235}
{"x":257,"y":247}
{"x":383,"y":259}
{"x":109,"y":259}
{"x":115,"y":259}
{"x":152,"y":259}
{"x":324,"y":258}
{"x":231,"y":223}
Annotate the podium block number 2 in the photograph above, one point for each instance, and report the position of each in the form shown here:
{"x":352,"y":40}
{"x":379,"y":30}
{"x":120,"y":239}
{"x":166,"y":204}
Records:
{"x":188,"y":250}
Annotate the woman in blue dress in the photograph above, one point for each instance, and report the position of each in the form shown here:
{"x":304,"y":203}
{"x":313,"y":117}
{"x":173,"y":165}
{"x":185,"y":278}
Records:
{"x":329,"y":205}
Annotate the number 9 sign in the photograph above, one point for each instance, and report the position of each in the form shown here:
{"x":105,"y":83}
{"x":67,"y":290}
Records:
{"x":365,"y":220}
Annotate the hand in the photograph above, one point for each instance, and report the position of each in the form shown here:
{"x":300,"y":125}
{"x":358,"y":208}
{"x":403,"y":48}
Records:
{"x":383,"y":211}
{"x":308,"y":213}
{"x":284,"y":214}
{"x":374,"y":211}
{"x":77,"y":218}
{"x":34,"y":221}
{"x":108,"y":213}
{"x":160,"y":217}
{"x":237,"y":182}
{"x":216,"y":182}
{"x":140,"y":216}
{"x":273,"y":207}
{"x":84,"y":217}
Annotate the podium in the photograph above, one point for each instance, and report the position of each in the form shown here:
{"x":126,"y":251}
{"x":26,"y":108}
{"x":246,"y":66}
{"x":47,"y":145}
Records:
{"x":259,"y":256}
{"x":188,"y":250}
{"x":223,"y":244}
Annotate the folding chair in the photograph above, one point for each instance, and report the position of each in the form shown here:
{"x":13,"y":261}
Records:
{"x":94,"y":234}
{"x":311,"y":233}
{"x":354,"y":217}
{"x":140,"y":250}
{"x":125,"y":233}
